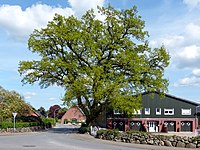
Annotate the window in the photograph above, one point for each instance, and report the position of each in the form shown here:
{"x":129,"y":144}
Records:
{"x":117,"y":112}
{"x":186,"y":111}
{"x":147,"y":111}
{"x":169,"y":111}
{"x":158,"y":111}
{"x":137,"y":112}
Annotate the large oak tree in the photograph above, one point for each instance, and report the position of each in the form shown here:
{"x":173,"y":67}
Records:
{"x":100,"y":64}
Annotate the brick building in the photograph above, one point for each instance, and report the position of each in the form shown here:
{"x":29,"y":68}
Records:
{"x":73,"y":114}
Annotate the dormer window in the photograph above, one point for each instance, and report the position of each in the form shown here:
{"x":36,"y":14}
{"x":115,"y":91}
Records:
{"x":147,"y":111}
{"x":169,"y":111}
{"x":158,"y":111}
{"x":186,"y":111}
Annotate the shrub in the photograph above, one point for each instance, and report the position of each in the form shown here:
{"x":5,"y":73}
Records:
{"x":84,"y":130}
{"x":66,"y":121}
{"x":136,"y":132}
{"x":47,"y":122}
{"x":5,"y":125}
{"x":108,"y":134}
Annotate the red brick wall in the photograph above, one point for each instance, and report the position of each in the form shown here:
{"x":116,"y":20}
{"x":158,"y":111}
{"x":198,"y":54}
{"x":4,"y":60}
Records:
{"x":73,"y":112}
{"x":160,"y":122}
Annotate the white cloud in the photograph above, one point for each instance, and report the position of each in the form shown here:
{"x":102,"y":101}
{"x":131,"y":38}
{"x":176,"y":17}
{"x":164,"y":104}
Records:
{"x":192,"y":3}
{"x":20,"y":23}
{"x":52,"y":98}
{"x":191,"y":80}
{"x":196,"y":72}
{"x":187,"y":57}
{"x":80,"y":7}
{"x":29,"y":95}
{"x":190,"y":53}
{"x":193,"y":30}
{"x":169,"y":41}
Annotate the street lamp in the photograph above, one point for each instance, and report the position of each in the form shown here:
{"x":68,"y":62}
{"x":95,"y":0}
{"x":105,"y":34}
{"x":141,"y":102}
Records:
{"x":54,"y":113}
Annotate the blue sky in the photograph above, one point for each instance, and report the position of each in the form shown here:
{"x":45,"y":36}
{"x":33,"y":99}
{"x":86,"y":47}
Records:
{"x":174,"y":23}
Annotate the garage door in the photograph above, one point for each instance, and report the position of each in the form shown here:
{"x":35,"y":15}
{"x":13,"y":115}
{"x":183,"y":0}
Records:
{"x":186,"y":126}
{"x":119,"y":124}
{"x":135,"y":125}
{"x":171,"y":125}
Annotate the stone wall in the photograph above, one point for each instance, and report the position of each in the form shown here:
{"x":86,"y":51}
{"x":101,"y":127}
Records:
{"x":21,"y":130}
{"x":150,"y":139}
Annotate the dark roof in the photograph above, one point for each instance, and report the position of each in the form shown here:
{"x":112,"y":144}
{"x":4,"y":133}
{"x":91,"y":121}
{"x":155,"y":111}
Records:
{"x":177,"y":98}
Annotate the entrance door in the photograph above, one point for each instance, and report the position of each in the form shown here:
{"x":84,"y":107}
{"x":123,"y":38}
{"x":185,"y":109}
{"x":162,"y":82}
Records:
{"x":152,"y":126}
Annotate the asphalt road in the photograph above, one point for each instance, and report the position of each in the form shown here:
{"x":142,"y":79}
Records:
{"x":65,"y":139}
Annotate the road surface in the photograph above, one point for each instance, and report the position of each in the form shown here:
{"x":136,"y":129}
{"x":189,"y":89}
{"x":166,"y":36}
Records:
{"x":65,"y":139}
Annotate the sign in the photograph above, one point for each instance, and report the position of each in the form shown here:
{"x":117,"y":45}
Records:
{"x":14,"y":114}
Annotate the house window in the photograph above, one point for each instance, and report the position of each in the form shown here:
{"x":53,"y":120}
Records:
{"x":158,"y":111}
{"x":137,"y":112}
{"x":117,"y":112}
{"x":169,"y":111}
{"x":147,"y":111}
{"x":186,"y":111}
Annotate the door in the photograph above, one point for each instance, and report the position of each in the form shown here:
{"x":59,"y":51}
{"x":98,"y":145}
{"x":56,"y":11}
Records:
{"x":135,"y":125}
{"x":171,"y":125}
{"x":152,"y":125}
{"x":186,"y":126}
{"x":119,"y":124}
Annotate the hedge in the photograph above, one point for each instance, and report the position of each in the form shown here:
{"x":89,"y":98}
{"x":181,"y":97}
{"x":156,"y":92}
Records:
{"x":5,"y":125}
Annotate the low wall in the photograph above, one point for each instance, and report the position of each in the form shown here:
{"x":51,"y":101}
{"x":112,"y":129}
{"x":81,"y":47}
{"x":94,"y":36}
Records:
{"x":150,"y":139}
{"x":21,"y":130}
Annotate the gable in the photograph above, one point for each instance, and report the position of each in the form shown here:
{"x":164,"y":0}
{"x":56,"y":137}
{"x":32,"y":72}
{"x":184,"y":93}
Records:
{"x":74,"y":113}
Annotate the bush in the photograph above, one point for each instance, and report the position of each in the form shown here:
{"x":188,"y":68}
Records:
{"x":136,"y":131}
{"x":47,"y":122}
{"x":5,"y":125}
{"x":66,"y":121}
{"x":84,"y":130}
{"x":108,"y":134}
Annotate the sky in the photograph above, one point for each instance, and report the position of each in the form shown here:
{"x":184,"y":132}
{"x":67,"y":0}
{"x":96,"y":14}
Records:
{"x":173,"y":23}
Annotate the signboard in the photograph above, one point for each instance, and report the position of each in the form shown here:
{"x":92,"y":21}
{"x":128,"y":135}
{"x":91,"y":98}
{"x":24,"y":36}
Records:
{"x":14,"y":114}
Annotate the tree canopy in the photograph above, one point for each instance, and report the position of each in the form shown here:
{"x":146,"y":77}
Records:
{"x":11,"y":101}
{"x":100,"y":63}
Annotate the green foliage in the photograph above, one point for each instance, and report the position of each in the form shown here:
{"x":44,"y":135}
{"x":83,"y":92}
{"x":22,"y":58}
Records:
{"x":48,"y":122}
{"x":197,"y":138}
{"x":5,"y":125}
{"x":42,"y":111}
{"x":136,"y":131}
{"x":83,"y":130}
{"x":66,"y":121}
{"x":110,"y":134}
{"x":11,"y":101}
{"x":99,"y":63}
